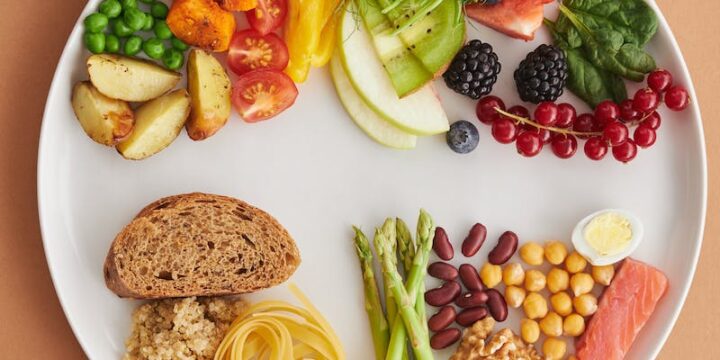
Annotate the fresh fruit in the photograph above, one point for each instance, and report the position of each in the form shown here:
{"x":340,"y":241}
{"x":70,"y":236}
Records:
{"x":546,"y":113}
{"x":209,"y":88}
{"x":157,"y":123}
{"x":474,"y":70}
{"x":652,"y":121}
{"x":542,"y":74}
{"x":585,"y":123}
{"x":485,"y":109}
{"x":644,"y":136}
{"x":528,"y":143}
{"x":627,"y":112}
{"x":615,"y":133}
{"x":463,"y":137}
{"x":595,"y":148}
{"x":606,"y":112}
{"x":373,"y":125}
{"x":659,"y":80}
{"x":268,"y":15}
{"x":518,"y":110}
{"x":566,"y":115}
{"x":564,"y":146}
{"x":515,"y":18}
{"x":129,"y":79}
{"x":677,"y":98}
{"x":646,"y":100}
{"x":201,"y":23}
{"x":262,"y":94}
{"x":419,"y":113}
{"x":625,"y":151}
{"x":249,"y":50}
{"x":504,"y":130}
{"x":107,"y":121}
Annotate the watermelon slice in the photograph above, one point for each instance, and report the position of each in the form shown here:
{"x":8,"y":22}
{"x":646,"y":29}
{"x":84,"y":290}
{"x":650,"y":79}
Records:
{"x":515,"y":18}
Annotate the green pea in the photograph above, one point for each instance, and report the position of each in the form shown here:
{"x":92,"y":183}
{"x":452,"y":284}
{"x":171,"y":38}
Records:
{"x":178,"y":44}
{"x":111,"y":8}
{"x":134,"y":18}
{"x":133,"y":45}
{"x":95,"y":22}
{"x":153,"y":48}
{"x":121,"y":29}
{"x":162,"y":31}
{"x":173,"y":59}
{"x":159,"y":10}
{"x":129,"y":4}
{"x":112,"y":43}
{"x":95,"y":42}
{"x":149,"y":22}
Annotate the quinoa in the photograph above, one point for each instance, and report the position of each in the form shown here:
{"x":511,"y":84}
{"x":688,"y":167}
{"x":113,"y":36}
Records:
{"x":180,"y":329}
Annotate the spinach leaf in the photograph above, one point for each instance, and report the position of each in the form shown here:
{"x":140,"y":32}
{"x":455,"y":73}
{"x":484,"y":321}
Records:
{"x":634,"y":19}
{"x":591,"y":83}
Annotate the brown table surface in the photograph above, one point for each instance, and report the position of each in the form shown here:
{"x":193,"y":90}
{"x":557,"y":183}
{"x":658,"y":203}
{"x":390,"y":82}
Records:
{"x":33,"y":35}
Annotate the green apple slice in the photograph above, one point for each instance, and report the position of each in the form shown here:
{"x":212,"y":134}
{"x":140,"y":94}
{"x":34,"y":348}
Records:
{"x":419,"y":113}
{"x":373,"y":125}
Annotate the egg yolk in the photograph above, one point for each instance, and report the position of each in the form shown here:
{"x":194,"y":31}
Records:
{"x":608,"y":234}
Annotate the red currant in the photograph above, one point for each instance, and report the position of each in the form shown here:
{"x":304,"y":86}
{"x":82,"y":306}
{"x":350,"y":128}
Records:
{"x":652,"y":121}
{"x":677,"y":98}
{"x":607,"y":112}
{"x":585,"y":123}
{"x":595,"y":148}
{"x":644,"y":136}
{"x":646,"y":100}
{"x":546,"y":113}
{"x":528,"y":143}
{"x":615,"y":133}
{"x":566,"y":115}
{"x":625,"y":152}
{"x":627,"y":112}
{"x":485,"y":109}
{"x":545,"y":135}
{"x":659,"y":80}
{"x":564,"y":146}
{"x":520,"y":111}
{"x":504,"y":130}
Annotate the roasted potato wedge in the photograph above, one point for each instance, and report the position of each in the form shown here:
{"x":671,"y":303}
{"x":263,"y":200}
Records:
{"x":105,"y":120}
{"x":130,"y":79}
{"x":210,"y":90}
{"x":238,"y":5}
{"x":158,"y":123}
{"x":201,"y":23}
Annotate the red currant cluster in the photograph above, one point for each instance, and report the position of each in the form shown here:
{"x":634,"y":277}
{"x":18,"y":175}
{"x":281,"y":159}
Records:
{"x":608,"y":127}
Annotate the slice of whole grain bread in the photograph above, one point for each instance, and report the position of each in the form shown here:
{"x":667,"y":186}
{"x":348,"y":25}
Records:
{"x":199,"y":245}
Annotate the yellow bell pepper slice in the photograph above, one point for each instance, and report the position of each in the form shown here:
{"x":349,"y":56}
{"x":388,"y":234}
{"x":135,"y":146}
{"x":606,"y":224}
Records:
{"x":327,"y":44}
{"x":302,"y":35}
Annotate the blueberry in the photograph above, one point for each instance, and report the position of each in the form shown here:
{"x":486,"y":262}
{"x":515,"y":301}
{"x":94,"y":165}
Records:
{"x":463,"y":137}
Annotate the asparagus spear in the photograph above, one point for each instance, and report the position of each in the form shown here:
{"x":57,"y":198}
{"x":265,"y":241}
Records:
{"x":406,"y":296}
{"x":388,"y":229}
{"x":406,"y":247}
{"x":378,"y":324}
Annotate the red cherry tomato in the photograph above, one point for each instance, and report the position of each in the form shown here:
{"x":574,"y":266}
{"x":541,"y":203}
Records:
{"x":268,"y":16}
{"x":261,"y":94}
{"x":249,"y":50}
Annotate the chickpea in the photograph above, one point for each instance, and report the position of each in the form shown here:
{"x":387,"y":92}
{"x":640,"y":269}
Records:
{"x":532,"y":253}
{"x":554,"y":348}
{"x":513,"y":274}
{"x":555,"y":252}
{"x":534,"y":280}
{"x":574,"y":325}
{"x":490,"y":274}
{"x":529,"y":330}
{"x":535,"y":306}
{"x":585,"y":304}
{"x":552,"y":324}
{"x":561,"y":303}
{"x":514,"y":296}
{"x":603,"y":275}
{"x":557,"y":280}
{"x":581,"y":283}
{"x":575,"y":263}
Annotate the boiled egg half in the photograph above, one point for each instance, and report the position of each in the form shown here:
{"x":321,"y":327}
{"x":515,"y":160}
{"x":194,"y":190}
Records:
{"x":607,"y":236}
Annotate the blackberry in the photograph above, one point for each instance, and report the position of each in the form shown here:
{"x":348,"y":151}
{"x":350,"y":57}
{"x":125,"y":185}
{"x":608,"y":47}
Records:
{"x":474,"y":70}
{"x":542,"y":75}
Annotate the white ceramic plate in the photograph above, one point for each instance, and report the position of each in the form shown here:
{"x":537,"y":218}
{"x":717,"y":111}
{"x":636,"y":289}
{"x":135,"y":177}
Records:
{"x":318,"y":174}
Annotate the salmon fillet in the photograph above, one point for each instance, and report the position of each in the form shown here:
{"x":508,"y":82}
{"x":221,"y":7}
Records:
{"x":516,"y":18}
{"x":624,"y":308}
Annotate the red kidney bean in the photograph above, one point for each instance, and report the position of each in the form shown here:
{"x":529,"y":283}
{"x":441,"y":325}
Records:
{"x":471,"y":299}
{"x":442,"y":271}
{"x":505,"y":248}
{"x":442,"y":318}
{"x":445,"y":338}
{"x":497,"y":305}
{"x":443,"y":295}
{"x":474,"y":240}
{"x":468,"y":317}
{"x":441,"y":244}
{"x":470,"y":277}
